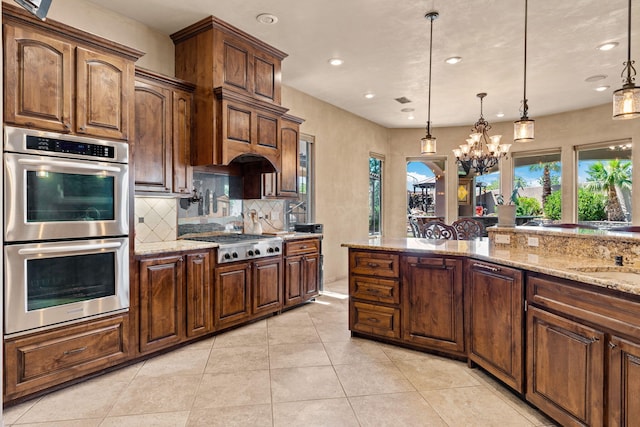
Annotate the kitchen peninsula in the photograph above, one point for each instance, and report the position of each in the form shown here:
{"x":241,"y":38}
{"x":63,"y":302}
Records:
{"x":558,"y":323}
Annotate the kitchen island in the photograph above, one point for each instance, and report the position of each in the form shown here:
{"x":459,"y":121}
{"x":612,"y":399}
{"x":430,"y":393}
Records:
{"x":562,"y":330}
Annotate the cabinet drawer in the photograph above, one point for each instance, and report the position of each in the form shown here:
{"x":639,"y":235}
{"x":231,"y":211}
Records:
{"x":374,"y":319}
{"x":374,"y":264}
{"x":581,"y":301}
{"x":38,"y":361}
{"x":298,"y":247}
{"x":378,"y":290}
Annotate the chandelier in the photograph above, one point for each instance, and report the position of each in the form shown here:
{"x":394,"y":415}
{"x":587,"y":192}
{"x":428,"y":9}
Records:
{"x":626,"y":101}
{"x":481,"y":152}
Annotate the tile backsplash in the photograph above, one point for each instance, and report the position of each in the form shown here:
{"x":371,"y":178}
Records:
{"x":156,"y":219}
{"x":270,"y":214}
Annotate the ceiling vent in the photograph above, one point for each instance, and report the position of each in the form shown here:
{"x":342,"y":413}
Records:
{"x":403,"y":100}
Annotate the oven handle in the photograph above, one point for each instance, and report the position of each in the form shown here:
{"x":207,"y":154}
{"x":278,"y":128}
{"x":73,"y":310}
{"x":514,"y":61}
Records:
{"x":76,"y":165}
{"x":70,"y":248}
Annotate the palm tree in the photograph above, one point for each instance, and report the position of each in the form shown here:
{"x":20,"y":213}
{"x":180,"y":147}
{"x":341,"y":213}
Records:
{"x":615,"y":174}
{"x":546,"y":168}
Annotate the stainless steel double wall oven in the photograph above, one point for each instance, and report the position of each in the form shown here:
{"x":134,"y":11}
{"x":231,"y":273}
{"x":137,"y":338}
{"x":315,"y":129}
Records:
{"x":66,"y":227}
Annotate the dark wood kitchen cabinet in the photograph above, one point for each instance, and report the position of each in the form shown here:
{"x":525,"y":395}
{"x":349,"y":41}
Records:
{"x":175,"y":299}
{"x":302,"y":271}
{"x":61,"y":79}
{"x":267,"y":286}
{"x":494,"y":307}
{"x":38,"y":361}
{"x":374,"y":294}
{"x":285,"y":183}
{"x":163,"y":108}
{"x":432,"y":303}
{"x":624,"y":382}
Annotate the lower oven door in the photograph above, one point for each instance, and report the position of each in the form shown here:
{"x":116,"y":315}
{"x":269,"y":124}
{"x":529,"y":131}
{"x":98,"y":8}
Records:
{"x":55,"y":282}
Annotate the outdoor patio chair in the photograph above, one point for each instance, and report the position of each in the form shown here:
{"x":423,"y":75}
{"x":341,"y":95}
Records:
{"x":468,"y":228}
{"x":438,"y":230}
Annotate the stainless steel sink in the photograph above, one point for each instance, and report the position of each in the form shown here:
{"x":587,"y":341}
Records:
{"x":614,"y":272}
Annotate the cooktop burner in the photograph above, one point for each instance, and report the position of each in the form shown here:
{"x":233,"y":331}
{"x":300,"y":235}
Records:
{"x":240,"y":247}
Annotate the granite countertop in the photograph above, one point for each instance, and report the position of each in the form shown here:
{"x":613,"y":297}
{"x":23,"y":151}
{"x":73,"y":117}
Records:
{"x":190,"y":245}
{"x":624,"y":279}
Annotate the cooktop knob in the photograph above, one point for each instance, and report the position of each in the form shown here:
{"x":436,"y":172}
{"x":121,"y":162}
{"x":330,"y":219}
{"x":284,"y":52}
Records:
{"x":250,"y":252}
{"x":277,"y":249}
{"x":234,"y":255}
{"x":257,"y":251}
{"x":270,"y":250}
{"x":227,"y":256}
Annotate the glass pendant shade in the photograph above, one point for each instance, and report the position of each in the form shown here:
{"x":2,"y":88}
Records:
{"x":523,"y":130}
{"x":428,"y":145}
{"x":626,"y":103}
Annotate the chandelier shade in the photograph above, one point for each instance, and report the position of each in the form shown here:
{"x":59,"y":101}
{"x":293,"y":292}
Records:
{"x":626,"y":101}
{"x":523,"y":129}
{"x":481,"y":151}
{"x":428,"y":143}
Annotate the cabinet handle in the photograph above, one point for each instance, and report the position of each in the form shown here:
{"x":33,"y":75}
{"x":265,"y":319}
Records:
{"x":74,"y":351}
{"x":487,"y":267}
{"x":303,"y":247}
{"x":373,"y":320}
{"x":373,"y":291}
{"x":612,"y":345}
{"x":82,"y":128}
{"x":372,"y":264}
{"x":595,"y":339}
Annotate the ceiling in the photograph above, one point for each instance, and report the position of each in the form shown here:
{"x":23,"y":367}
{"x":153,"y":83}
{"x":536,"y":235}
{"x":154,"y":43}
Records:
{"x":385,"y":48}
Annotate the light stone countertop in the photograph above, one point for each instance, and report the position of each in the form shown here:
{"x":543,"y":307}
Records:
{"x":179,"y":245}
{"x":551,"y":264}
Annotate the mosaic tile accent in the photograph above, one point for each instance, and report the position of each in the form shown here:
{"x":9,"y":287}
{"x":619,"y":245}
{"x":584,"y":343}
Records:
{"x":159,"y":219}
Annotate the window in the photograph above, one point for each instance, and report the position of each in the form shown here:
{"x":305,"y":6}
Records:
{"x":482,"y":192}
{"x":604,"y":183}
{"x":301,"y":209}
{"x":536,"y":176}
{"x":375,"y":196}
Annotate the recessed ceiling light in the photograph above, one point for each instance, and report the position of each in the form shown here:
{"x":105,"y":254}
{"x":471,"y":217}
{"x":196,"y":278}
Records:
{"x":608,"y":45}
{"x":595,"y":78}
{"x":500,"y":114}
{"x":602,"y":88}
{"x":336,"y":62}
{"x":408,"y":110}
{"x":369,"y":95}
{"x":453,"y":60}
{"x":267,"y":18}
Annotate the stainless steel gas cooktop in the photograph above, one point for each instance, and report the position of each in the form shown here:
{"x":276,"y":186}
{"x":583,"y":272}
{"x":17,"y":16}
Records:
{"x":240,"y":247}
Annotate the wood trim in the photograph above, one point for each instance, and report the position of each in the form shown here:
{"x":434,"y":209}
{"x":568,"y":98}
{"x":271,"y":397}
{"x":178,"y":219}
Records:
{"x":164,"y":79}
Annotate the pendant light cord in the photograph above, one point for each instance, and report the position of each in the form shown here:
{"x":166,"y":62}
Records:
{"x":431,"y":18}
{"x":525,"y":107}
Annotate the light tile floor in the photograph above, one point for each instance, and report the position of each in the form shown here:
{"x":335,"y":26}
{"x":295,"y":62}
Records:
{"x":301,"y":368}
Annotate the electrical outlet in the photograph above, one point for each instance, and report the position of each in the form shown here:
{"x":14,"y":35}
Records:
{"x":267,"y":216}
{"x":503,"y":238}
{"x":140,"y":219}
{"x":532,"y":241}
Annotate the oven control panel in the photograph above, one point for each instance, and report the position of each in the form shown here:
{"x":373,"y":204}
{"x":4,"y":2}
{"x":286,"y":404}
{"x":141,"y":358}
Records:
{"x":69,"y":147}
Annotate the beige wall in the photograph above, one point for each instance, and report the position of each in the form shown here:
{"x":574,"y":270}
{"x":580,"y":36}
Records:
{"x":344,"y":141}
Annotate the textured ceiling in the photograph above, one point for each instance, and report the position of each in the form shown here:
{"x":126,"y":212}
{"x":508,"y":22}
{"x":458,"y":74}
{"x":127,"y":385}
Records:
{"x":385,"y":46}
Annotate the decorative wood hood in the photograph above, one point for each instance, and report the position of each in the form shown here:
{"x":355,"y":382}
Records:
{"x":238,"y":93}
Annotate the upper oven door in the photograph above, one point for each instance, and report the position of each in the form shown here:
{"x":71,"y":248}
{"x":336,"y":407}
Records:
{"x":57,"y":198}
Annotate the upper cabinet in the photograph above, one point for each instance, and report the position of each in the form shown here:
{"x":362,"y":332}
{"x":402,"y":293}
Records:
{"x":61,"y":79}
{"x":163,"y":122}
{"x":285,"y":183}
{"x":225,"y":56}
{"x":238,"y":116}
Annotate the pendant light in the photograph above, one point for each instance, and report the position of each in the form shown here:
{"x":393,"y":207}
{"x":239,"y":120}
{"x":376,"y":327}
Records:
{"x":626,"y":101}
{"x":428,"y":143}
{"x":523,"y":129}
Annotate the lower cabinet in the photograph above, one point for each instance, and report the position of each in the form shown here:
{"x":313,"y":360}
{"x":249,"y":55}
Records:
{"x":494,"y":299}
{"x":432,"y":303}
{"x":35,"y":362}
{"x":244,"y":290}
{"x":175,"y":299}
{"x":302,"y":271}
{"x":624,"y":382}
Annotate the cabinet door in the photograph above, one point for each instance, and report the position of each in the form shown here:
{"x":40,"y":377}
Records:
{"x":153,"y":148}
{"x":287,"y":179}
{"x":161,"y":302}
{"x":267,"y":286}
{"x":104,"y":92}
{"x":495,"y":307}
{"x":311,"y":275}
{"x":199,"y":304}
{"x":182,"y":103}
{"x":232,"y":303}
{"x":565,"y":364}
{"x":38,"y":80}
{"x":293,"y":291}
{"x":624,"y":382}
{"x":432,"y":310}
